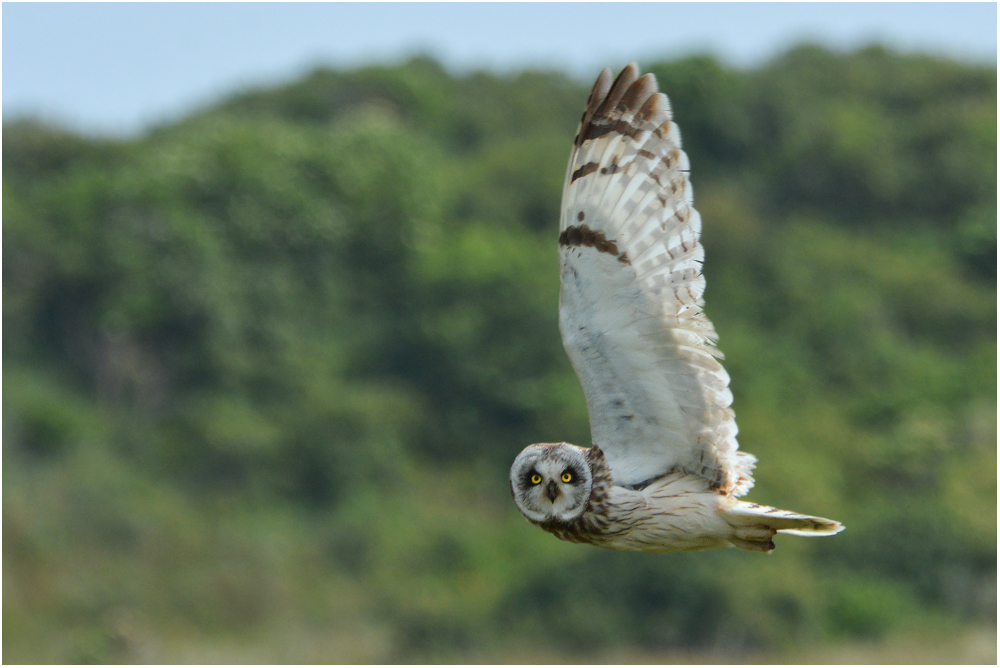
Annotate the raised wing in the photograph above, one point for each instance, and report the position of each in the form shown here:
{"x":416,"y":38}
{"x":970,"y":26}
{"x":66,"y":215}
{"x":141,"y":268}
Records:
{"x":630,"y":304}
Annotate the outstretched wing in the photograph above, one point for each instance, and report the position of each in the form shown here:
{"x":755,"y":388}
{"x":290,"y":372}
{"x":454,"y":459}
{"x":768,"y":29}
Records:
{"x":631,"y":297}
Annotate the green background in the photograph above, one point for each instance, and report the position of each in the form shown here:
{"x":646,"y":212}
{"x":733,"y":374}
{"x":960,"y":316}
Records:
{"x":265,"y":370}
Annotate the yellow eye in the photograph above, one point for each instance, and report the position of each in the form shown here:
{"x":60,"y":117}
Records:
{"x":535,"y":479}
{"x":567,"y":477}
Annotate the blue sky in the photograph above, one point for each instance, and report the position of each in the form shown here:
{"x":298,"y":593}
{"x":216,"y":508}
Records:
{"x":117,"y":68}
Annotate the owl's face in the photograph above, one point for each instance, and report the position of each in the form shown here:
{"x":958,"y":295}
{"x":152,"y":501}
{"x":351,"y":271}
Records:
{"x":551,"y":482}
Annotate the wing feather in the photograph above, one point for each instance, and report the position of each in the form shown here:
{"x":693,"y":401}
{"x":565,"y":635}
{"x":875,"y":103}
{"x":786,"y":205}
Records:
{"x":631,"y":295}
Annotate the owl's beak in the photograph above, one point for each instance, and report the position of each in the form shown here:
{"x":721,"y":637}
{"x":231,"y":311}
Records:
{"x":552,"y":490}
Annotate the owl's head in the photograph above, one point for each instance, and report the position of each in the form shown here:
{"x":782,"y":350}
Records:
{"x":551,"y":482}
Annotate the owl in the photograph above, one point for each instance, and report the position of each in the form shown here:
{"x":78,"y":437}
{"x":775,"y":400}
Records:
{"x":665,"y":473}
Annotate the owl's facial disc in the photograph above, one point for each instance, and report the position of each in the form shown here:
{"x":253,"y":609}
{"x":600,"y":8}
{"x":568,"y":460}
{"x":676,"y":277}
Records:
{"x":551,"y":482}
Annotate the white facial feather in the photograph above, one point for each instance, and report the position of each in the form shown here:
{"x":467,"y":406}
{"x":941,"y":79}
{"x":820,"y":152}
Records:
{"x":537,"y":482}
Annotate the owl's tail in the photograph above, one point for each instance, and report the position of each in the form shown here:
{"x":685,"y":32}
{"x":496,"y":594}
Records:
{"x":754,"y":525}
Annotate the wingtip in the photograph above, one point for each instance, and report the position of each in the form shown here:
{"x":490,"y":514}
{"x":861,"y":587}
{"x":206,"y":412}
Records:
{"x":621,"y":84}
{"x":601,"y":87}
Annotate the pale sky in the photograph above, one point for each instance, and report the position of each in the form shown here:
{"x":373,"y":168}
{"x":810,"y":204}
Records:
{"x":117,"y":68}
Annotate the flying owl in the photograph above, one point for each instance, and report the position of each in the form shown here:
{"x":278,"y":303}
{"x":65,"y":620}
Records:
{"x":665,"y":473}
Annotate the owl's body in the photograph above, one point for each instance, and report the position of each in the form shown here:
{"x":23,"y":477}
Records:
{"x":666,"y":471}
{"x":677,"y":513}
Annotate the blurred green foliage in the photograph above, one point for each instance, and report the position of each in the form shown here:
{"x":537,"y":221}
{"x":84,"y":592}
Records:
{"x":265,"y":368}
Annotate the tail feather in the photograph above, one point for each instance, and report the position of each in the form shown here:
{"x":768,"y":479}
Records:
{"x":752,"y":515}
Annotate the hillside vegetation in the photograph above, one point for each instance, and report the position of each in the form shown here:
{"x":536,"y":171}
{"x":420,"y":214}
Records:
{"x":265,"y":370}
